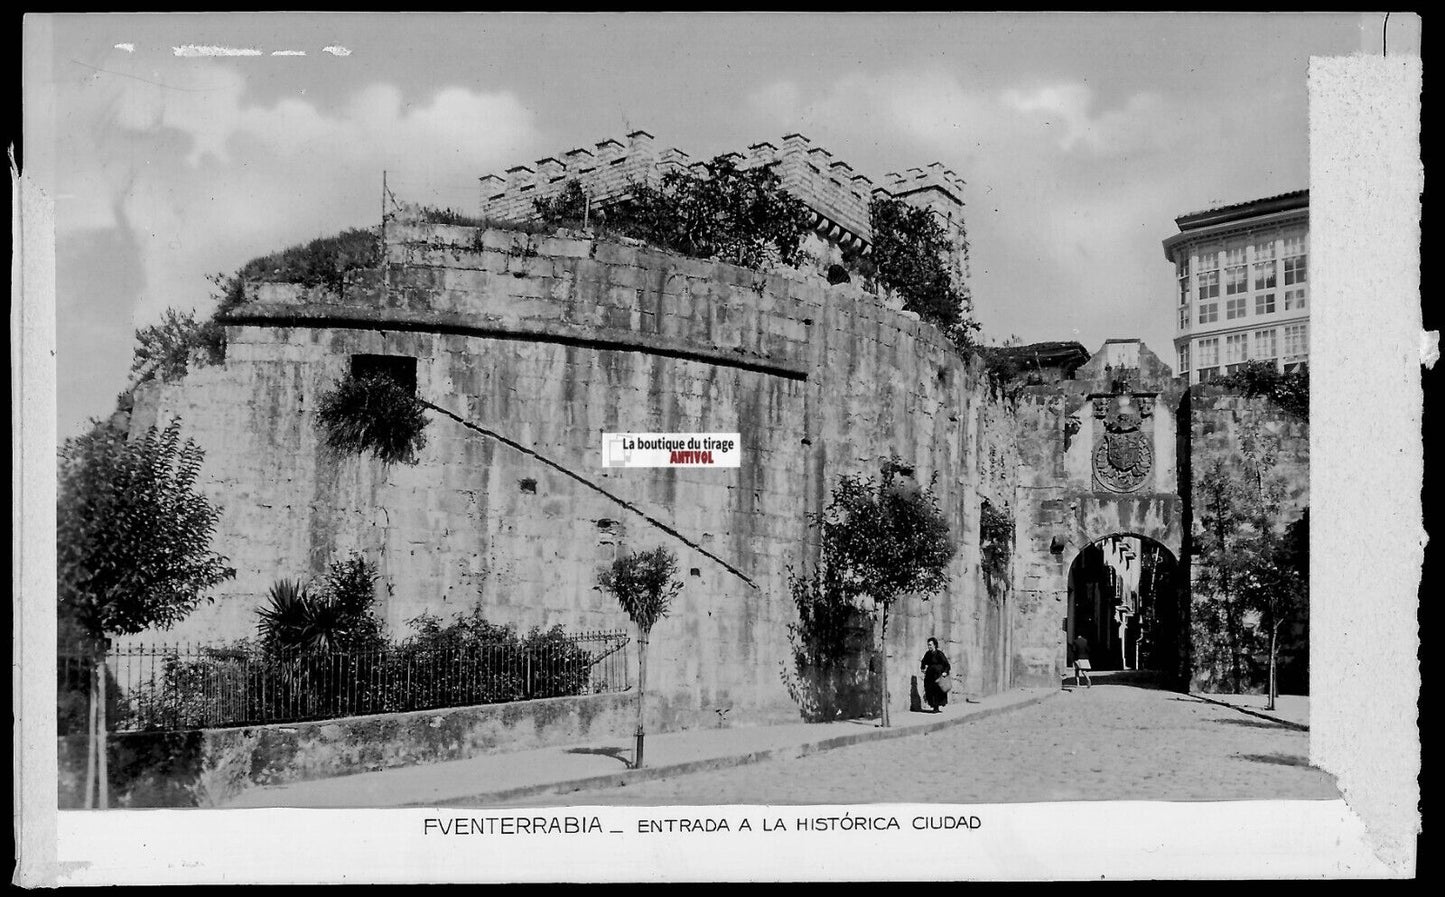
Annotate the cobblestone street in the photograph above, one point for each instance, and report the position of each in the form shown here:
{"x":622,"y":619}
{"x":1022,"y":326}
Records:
{"x":1111,"y":742}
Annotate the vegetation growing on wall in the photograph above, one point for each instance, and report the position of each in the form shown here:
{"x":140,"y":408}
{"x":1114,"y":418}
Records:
{"x":569,"y":207}
{"x":996,"y":539}
{"x":373,"y":413}
{"x":1290,"y":391}
{"x":909,"y":256}
{"x":742,"y":217}
{"x":826,"y":679}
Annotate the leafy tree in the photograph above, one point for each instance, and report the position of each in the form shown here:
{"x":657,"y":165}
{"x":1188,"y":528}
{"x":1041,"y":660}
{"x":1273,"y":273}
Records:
{"x":909,"y":253}
{"x":740,"y":216}
{"x":133,"y":539}
{"x":1244,"y":564}
{"x":373,"y":413}
{"x":644,"y":584}
{"x":888,"y":538}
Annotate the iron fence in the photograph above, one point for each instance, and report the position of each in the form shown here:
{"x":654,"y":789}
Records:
{"x":168,"y":687}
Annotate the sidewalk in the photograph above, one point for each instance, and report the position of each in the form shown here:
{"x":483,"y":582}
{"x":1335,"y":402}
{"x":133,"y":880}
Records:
{"x":1291,"y":710}
{"x":603,"y":763}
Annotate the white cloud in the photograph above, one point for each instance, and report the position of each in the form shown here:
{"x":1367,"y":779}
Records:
{"x":1145,"y":123}
{"x":206,"y":177}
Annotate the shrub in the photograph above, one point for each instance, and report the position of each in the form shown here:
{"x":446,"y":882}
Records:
{"x":909,"y":253}
{"x":741,"y":217}
{"x":321,"y":262}
{"x":166,"y":350}
{"x":335,"y":616}
{"x":1290,"y":391}
{"x":373,"y":413}
{"x":569,"y":206}
{"x":430,"y":215}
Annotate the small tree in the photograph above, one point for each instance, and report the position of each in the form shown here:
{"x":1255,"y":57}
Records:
{"x":133,"y":540}
{"x":644,"y":584}
{"x":889,"y":538}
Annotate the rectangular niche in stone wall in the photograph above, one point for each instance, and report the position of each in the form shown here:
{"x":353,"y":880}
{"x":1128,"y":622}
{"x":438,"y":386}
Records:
{"x":400,"y":368}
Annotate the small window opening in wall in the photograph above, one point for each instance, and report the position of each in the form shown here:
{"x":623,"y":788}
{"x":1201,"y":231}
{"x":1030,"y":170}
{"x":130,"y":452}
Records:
{"x":694,"y":572}
{"x":399,"y":368}
{"x":606,"y":526}
{"x":528,"y":485}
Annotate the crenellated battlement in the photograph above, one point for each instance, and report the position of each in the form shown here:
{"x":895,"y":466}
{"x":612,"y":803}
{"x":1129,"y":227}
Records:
{"x":837,"y":194}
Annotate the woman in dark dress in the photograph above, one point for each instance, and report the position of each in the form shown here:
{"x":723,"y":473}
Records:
{"x":934,"y":667}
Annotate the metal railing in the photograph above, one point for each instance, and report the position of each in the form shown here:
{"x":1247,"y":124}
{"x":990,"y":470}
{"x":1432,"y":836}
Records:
{"x":171,"y":687}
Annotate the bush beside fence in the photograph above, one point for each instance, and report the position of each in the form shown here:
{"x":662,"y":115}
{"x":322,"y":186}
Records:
{"x":162,"y":688}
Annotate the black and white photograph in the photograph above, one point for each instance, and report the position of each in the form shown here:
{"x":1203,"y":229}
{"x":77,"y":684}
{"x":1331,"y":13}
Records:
{"x":683,"y":447}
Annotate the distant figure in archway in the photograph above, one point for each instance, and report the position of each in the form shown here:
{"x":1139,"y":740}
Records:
{"x":1081,"y":661}
{"x":935,"y":670}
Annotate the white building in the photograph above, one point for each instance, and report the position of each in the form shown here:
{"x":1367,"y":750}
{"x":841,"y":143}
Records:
{"x":1243,"y":291}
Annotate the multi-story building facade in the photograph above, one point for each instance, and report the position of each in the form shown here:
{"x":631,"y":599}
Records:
{"x":1242,"y":286}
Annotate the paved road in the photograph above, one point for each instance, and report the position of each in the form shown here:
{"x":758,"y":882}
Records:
{"x":1110,"y":742}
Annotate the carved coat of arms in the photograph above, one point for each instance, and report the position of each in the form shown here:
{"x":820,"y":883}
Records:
{"x":1123,"y":456}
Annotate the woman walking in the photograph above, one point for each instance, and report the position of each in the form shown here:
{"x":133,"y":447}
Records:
{"x":935,"y":671}
{"x":1081,"y":661}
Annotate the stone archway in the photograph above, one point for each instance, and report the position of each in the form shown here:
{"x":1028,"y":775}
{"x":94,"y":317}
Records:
{"x":1123,"y":598}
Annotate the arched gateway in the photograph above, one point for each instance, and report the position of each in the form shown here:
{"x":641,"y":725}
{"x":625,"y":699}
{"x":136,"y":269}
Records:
{"x":1124,"y":598}
{"x":1100,"y":493}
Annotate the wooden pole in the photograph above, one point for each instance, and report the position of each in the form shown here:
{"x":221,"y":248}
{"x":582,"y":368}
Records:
{"x":641,"y":696}
{"x":102,"y":774}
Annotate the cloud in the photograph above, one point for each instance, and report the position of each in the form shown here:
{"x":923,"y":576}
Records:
{"x":197,"y":177}
{"x":1066,"y":202}
{"x":1145,"y":123}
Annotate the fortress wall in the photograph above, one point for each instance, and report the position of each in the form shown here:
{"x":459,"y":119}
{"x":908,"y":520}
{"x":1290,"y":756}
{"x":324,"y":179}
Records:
{"x":551,"y":342}
{"x":1220,"y":423}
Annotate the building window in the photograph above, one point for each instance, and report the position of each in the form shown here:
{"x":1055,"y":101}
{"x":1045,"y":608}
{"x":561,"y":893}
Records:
{"x":1182,"y":266}
{"x":1235,"y":308}
{"x":1208,"y":353}
{"x":1236,"y":351}
{"x":1207,"y":274}
{"x":1183,"y":360}
{"x":1294,"y":300}
{"x":1264,"y":266}
{"x":1208,"y":284}
{"x":1236,"y":274}
{"x":1184,"y":318}
{"x":1296,"y":346}
{"x":1208,"y":312}
{"x":1294,"y":261}
{"x":1264,"y":304}
{"x":1264,"y":345}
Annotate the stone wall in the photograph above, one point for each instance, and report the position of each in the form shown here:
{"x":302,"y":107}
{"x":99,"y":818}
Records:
{"x":551,"y":342}
{"x":209,"y":768}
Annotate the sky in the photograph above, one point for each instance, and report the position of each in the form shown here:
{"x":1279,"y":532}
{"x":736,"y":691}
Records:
{"x":1080,"y":137}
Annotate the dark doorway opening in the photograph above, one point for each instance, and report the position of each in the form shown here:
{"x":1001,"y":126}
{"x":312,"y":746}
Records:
{"x":1123,"y":598}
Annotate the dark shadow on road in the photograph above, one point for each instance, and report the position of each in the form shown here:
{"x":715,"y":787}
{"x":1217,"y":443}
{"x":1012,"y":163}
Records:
{"x":624,"y":755}
{"x":1256,"y":724}
{"x":1277,"y":759}
{"x":1130,"y":678}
